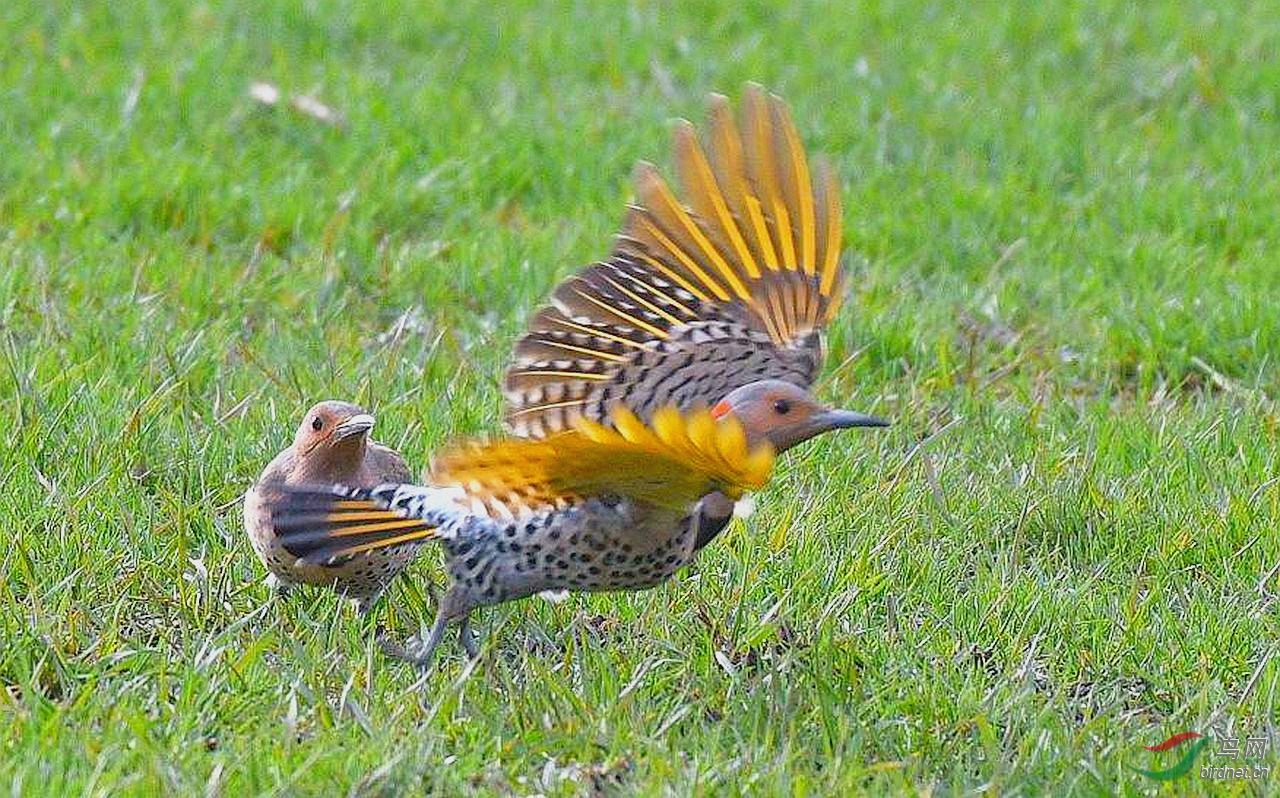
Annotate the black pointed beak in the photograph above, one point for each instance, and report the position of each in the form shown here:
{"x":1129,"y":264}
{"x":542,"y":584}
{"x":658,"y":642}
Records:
{"x":354,"y":425}
{"x":785,"y":437}
{"x":845,"y":419}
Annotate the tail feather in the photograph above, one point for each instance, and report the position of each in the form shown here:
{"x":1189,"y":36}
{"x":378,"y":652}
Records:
{"x":321,"y":524}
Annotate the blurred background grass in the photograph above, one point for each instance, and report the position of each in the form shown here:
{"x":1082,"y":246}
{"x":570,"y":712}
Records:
{"x":1062,"y":223}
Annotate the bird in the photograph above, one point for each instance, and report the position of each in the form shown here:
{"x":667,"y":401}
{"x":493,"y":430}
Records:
{"x":703,"y":325}
{"x":332,"y":445}
{"x":731,"y":288}
{"x":596,"y":508}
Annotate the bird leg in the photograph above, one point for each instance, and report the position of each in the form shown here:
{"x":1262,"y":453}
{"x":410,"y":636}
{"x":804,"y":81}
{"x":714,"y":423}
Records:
{"x":454,"y":605}
{"x":417,"y":652}
{"x":419,"y":655}
{"x":467,"y":637}
{"x":432,"y":592}
{"x":391,"y":648}
{"x":711,"y":515}
{"x":365,"y":604}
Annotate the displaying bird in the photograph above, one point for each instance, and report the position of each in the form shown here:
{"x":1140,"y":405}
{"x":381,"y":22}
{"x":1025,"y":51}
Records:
{"x":654,"y":390}
{"x":332,"y":445}
{"x":596,"y":508}
{"x":702,"y":300}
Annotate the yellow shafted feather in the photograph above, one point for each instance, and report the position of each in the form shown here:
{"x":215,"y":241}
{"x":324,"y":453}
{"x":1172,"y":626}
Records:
{"x":760,"y":228}
{"x":747,"y":240}
{"x":671,"y":463}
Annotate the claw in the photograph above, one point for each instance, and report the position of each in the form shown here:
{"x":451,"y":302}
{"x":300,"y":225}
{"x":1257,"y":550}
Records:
{"x":418,"y":654}
{"x":467,"y":637}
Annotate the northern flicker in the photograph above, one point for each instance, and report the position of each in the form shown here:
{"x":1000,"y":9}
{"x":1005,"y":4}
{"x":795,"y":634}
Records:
{"x":701,"y":332}
{"x":596,"y":508}
{"x":331,"y":445}
{"x":732,"y":287}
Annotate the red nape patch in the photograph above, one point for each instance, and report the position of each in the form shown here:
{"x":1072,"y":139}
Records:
{"x":721,"y":409}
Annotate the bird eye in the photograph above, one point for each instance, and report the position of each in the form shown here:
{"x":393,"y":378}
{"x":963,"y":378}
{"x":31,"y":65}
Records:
{"x":781,"y":407}
{"x":317,"y":424}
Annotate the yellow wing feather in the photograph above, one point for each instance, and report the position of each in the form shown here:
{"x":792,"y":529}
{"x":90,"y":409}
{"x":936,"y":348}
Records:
{"x":762,"y":167}
{"x":828,"y":214}
{"x":760,"y":227}
{"x":706,"y":197}
{"x":730,"y":170}
{"x":670,"y":463}
{"x":752,"y":238}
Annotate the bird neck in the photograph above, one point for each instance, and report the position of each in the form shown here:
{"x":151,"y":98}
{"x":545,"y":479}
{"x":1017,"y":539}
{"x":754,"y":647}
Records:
{"x":325,"y":463}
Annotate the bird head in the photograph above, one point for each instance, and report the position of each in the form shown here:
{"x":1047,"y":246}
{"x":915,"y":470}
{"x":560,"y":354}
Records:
{"x":333,"y":428}
{"x":785,"y":414}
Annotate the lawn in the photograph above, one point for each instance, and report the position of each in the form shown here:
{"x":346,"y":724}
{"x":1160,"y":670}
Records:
{"x":1062,"y":222}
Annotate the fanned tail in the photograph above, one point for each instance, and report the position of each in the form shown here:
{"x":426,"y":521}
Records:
{"x":321,"y":524}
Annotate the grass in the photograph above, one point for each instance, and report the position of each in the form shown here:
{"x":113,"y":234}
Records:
{"x":1063,"y":224}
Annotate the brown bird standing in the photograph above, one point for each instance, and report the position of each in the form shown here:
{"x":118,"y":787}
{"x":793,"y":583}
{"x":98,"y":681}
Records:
{"x":332,"y":445}
{"x":702,"y":332}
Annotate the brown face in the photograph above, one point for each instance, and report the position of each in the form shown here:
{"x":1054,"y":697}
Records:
{"x":332,"y":424}
{"x":785,"y":414}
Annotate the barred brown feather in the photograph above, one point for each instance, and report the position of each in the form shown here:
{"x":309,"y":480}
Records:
{"x":731,"y":285}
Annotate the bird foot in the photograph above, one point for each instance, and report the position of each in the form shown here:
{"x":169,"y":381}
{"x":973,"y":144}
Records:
{"x":414,"y":652}
{"x":278,"y":587}
{"x":467,"y":638}
{"x":419,"y":652}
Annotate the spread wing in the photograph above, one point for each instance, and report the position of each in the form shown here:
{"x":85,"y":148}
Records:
{"x":733,"y":285}
{"x":670,"y":462}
